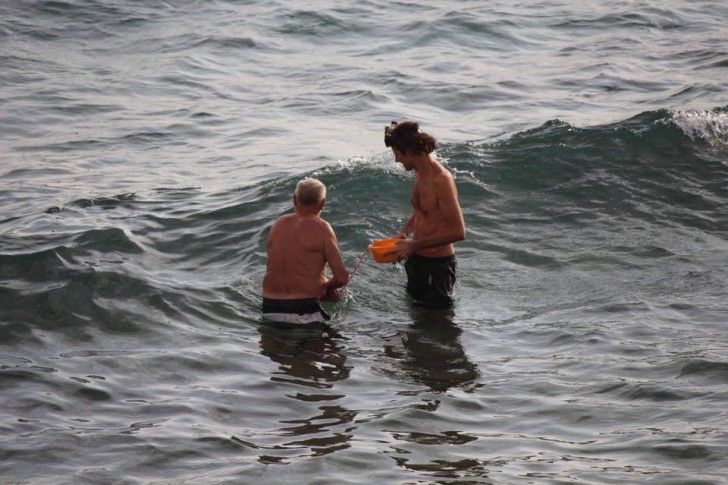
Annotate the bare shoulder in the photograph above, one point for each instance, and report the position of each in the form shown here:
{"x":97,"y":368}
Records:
{"x":281,"y":221}
{"x":286,"y":217}
{"x":325,"y":226}
{"x":317,"y":225}
{"x":444,"y":178}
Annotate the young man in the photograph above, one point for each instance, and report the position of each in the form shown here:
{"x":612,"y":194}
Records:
{"x":437,"y":221}
{"x":300,"y":245}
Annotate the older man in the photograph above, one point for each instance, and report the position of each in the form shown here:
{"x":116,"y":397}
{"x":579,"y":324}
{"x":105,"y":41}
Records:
{"x":300,"y":246}
{"x":437,"y":221}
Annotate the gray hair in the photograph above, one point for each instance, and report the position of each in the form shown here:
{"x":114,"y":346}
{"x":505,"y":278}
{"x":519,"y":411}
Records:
{"x":310,"y":191}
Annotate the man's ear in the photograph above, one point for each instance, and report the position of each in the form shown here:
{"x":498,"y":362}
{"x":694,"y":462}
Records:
{"x":295,"y":201}
{"x":322,"y":204}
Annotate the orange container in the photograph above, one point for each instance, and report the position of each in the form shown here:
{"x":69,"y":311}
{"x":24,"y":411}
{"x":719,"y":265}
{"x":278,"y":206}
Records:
{"x":378,"y":248}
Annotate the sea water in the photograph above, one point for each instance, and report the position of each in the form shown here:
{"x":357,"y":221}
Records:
{"x":146,"y":148}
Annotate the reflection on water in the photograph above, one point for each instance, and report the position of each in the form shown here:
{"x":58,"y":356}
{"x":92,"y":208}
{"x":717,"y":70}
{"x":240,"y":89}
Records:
{"x":430,"y":353}
{"x":446,"y":469}
{"x":433,"y":354}
{"x":309,"y":357}
{"x":312,"y":360}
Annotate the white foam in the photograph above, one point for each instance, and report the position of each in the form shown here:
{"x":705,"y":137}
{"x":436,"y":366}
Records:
{"x":707,"y":126}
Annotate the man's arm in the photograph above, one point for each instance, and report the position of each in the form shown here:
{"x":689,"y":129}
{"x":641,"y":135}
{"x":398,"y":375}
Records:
{"x":333,"y":258}
{"x":340,"y":277}
{"x":407,"y":229}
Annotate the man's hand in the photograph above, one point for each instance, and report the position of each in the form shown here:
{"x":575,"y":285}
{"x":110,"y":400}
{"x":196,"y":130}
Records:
{"x":330,"y":291}
{"x":331,"y":294}
{"x":403,"y":250}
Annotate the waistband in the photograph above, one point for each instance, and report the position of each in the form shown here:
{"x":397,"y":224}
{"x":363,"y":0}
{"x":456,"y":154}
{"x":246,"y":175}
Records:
{"x":296,"y":305}
{"x":436,"y":259}
{"x":299,"y":311}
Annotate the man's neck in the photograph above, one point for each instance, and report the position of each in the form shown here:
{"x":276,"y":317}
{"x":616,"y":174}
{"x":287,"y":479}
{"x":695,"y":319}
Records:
{"x":425,"y":164}
{"x":307,"y":212}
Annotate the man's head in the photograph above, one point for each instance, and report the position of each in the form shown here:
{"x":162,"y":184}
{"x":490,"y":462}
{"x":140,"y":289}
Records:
{"x":310,"y":192}
{"x":407,"y":138}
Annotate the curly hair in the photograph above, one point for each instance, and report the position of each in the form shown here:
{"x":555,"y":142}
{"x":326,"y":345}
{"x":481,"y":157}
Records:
{"x":407,"y":138}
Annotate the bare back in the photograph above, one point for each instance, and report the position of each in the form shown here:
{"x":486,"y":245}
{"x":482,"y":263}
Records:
{"x":299,"y":247}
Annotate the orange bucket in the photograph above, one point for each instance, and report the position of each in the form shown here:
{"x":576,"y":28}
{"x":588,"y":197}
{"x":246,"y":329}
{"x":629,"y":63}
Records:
{"x":378,"y":248}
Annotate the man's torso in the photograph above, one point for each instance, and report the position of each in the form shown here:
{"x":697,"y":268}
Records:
{"x":296,"y":259}
{"x":429,"y":219}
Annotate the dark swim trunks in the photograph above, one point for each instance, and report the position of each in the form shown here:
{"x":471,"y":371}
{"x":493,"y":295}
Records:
{"x":430,"y":281}
{"x":300,"y":311}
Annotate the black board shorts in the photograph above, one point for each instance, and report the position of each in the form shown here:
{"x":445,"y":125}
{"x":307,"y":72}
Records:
{"x":301,"y":311}
{"x":430,"y":281}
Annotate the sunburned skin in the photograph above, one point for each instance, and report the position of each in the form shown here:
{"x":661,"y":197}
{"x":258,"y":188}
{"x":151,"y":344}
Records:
{"x":437,"y":220}
{"x":437,"y":214}
{"x":300,"y":246}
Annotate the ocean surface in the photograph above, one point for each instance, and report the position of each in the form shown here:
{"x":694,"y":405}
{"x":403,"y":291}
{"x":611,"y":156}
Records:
{"x":147,"y":147}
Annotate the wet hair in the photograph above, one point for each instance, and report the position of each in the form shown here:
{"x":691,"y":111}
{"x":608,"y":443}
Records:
{"x":310,"y":191}
{"x":407,"y":138}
